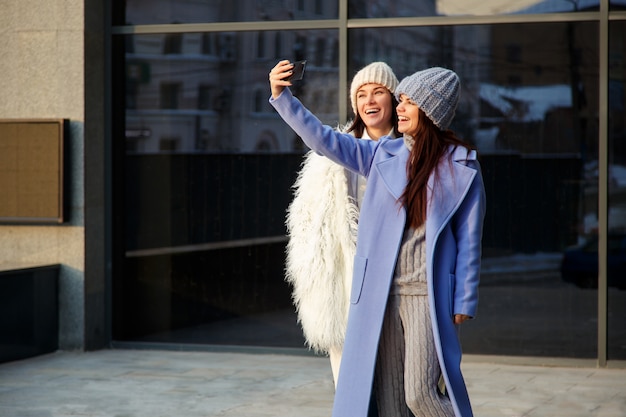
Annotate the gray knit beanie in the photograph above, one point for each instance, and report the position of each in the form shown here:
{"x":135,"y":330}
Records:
{"x":435,"y":91}
{"x":376,"y":72}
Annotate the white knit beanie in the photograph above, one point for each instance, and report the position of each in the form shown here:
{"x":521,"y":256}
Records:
{"x":435,"y":91}
{"x":376,"y":72}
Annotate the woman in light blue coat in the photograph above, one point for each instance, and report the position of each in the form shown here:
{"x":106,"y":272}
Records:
{"x":417,"y":262}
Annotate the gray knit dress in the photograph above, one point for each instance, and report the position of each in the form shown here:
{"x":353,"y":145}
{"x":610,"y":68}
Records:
{"x":407,"y":369}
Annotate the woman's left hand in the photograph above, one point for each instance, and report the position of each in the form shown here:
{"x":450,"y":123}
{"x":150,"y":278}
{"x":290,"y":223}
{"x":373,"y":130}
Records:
{"x":460,"y":318}
{"x":277,"y":77}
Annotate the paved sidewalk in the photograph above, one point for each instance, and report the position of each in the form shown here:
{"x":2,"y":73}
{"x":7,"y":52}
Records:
{"x":150,"y":383}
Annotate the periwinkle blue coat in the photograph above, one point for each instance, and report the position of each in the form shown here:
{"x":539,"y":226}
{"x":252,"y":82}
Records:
{"x":453,"y":246}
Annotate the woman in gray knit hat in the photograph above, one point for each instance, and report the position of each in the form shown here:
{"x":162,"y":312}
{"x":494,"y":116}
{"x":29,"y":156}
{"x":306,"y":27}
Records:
{"x":417,"y":262}
{"x":322,"y":218}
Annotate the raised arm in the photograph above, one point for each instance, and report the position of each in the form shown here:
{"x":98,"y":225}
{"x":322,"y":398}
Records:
{"x":344,"y":149}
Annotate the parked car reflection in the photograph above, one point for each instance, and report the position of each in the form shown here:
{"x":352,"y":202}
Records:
{"x":580,"y":263}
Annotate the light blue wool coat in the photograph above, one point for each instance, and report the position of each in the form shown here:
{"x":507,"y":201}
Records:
{"x":453,"y":246}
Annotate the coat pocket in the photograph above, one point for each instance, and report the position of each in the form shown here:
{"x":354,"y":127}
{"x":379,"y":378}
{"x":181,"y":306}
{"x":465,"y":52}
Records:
{"x":360,"y":265}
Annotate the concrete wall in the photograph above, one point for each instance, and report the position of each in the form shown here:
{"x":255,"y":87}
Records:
{"x":42,"y":75}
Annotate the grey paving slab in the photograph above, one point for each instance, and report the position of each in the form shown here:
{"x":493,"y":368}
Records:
{"x":149,"y":383}
{"x":498,"y":390}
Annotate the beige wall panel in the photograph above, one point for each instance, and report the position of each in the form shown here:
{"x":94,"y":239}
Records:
{"x":42,"y":64}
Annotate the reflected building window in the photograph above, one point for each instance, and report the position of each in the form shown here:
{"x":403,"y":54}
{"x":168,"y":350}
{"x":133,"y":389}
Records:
{"x":260,"y":101}
{"x":132,"y":90}
{"x":205,"y":97}
{"x":209,"y":44}
{"x":300,"y":48}
{"x":169,"y":144}
{"x":223,"y":99}
{"x":260,"y":48}
{"x":136,"y":73}
{"x":334,"y":57}
{"x":278,"y":46}
{"x":227,"y":47}
{"x":319,"y":7}
{"x":173,"y":43}
{"x":170,"y":93}
{"x":320,"y":49}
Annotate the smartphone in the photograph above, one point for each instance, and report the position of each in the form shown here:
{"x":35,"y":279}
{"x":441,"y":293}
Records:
{"x":298,"y":71}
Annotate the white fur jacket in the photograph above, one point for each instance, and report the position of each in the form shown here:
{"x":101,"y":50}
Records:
{"x":322,"y":227}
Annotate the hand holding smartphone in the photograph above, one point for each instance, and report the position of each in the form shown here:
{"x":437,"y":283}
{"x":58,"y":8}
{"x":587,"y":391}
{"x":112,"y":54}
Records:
{"x":298,"y":71}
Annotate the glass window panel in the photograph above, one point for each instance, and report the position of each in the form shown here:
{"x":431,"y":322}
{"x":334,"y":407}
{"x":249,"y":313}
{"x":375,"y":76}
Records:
{"x":411,"y":8}
{"x":208,"y":172}
{"x":617,"y":5}
{"x":529,"y":103}
{"x":359,"y":9}
{"x":142,"y":12}
{"x":617,"y":192}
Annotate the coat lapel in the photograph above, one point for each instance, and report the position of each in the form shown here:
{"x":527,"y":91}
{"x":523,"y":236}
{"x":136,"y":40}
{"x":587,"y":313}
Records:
{"x":446,"y":192}
{"x":392,"y":169}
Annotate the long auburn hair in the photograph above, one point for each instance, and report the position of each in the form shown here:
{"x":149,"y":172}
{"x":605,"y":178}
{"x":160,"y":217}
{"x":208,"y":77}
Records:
{"x":430,"y":145}
{"x":357,"y":127}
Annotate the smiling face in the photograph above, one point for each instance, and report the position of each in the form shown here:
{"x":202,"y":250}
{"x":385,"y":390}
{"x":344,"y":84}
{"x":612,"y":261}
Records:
{"x":408,"y":115}
{"x":374,"y":104}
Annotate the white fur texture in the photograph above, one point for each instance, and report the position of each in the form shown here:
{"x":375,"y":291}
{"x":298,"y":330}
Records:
{"x":321,"y":224}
